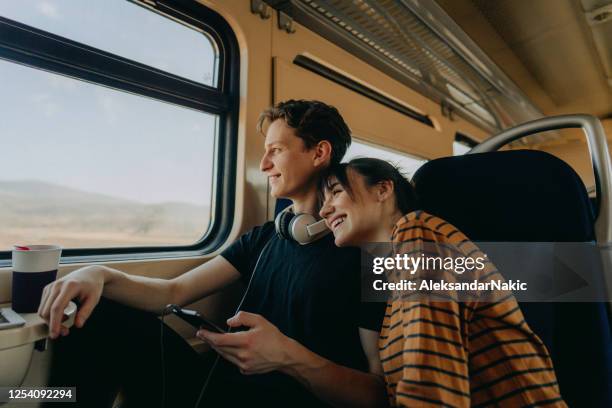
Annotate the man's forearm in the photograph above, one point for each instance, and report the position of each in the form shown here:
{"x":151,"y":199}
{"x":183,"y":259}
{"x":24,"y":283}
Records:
{"x":151,"y":294}
{"x":333,"y":383}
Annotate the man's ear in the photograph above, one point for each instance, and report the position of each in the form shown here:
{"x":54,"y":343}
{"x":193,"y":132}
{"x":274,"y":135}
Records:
{"x":384,"y":190}
{"x":323,"y":152}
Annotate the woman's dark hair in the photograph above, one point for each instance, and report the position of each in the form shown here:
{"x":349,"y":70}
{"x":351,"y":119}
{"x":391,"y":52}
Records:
{"x":313,"y":122}
{"x":374,"y":171}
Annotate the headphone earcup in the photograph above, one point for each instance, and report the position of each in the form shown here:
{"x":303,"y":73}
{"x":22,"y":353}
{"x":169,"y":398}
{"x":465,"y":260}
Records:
{"x":295,"y":227}
{"x":298,"y":228}
{"x":283,"y":223}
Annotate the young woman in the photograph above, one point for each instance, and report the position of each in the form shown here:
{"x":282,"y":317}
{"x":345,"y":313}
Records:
{"x":436,"y":353}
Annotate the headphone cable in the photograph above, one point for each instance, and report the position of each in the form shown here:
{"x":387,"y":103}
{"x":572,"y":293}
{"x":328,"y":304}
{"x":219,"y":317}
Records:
{"x":246,"y":292}
{"x":216,"y":361}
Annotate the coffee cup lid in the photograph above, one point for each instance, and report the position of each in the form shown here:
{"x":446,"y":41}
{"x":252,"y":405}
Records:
{"x":36,"y":247}
{"x":36,"y":258}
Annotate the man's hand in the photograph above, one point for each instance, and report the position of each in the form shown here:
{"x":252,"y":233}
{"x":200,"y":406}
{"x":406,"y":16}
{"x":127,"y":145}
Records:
{"x":86,"y":284}
{"x":261,"y":349}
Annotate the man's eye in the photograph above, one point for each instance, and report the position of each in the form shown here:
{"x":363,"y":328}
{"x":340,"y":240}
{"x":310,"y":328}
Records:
{"x":336,"y":192}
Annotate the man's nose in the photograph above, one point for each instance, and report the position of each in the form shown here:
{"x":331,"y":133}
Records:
{"x":265,"y":163}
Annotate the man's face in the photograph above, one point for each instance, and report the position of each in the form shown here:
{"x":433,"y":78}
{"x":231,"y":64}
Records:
{"x":289,"y":165}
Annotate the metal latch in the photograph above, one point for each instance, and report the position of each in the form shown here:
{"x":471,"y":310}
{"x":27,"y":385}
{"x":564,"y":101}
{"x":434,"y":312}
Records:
{"x":285,"y":22}
{"x":260,"y":7}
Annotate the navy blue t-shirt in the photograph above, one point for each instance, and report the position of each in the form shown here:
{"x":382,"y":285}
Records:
{"x":312,"y":294}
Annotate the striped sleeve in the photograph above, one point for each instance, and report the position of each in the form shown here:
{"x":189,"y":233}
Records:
{"x":422,"y":347}
{"x":509,"y":364}
{"x":424,"y":358}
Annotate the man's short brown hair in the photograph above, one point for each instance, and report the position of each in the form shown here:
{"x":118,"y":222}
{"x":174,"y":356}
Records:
{"x":313,"y":121}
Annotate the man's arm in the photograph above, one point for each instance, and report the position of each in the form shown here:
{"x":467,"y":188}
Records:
{"x":263,"y":348}
{"x":151,"y":294}
{"x":338,"y":385}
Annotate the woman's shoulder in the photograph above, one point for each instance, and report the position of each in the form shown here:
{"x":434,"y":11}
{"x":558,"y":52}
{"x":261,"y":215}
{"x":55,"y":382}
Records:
{"x":418,"y":218}
{"x":416,"y":222}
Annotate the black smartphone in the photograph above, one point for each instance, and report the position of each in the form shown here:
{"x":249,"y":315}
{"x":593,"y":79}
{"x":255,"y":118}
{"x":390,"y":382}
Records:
{"x":195,"y":319}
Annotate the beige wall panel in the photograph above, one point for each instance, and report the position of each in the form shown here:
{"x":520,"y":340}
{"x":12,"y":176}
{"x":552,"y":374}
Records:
{"x":572,"y":148}
{"x":576,"y":154}
{"x":467,"y":128}
{"x":367,"y":119}
{"x":607,"y":125}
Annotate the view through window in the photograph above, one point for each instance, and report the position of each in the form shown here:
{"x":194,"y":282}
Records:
{"x":460,"y":148}
{"x":406,"y":163}
{"x":87,"y":166}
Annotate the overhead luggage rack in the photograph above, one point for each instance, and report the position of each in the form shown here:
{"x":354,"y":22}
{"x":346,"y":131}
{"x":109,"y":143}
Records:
{"x":419,"y":45}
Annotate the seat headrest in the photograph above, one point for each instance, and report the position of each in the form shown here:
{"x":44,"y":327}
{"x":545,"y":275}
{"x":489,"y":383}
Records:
{"x":512,"y":196}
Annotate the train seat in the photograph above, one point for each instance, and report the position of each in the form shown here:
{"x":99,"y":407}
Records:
{"x":530,"y":196}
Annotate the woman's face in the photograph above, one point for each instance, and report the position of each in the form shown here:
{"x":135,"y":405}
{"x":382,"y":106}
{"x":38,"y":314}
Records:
{"x":353,"y":220}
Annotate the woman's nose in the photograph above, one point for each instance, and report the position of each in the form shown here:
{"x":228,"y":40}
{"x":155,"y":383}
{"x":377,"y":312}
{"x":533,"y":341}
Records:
{"x":326,"y":209}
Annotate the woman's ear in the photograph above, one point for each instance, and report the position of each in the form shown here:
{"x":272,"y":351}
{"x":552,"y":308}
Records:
{"x":384,"y":190}
{"x":323,"y":152}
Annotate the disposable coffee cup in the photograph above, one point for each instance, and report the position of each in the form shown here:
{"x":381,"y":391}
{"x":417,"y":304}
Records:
{"x":34,"y":267}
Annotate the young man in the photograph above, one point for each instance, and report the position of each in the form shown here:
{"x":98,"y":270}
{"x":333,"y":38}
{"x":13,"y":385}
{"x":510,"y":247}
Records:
{"x":308,"y":339}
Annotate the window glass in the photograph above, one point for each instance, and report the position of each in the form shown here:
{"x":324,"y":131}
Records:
{"x":460,"y":148}
{"x":87,"y":166}
{"x":407,"y":164}
{"x":125,"y":29}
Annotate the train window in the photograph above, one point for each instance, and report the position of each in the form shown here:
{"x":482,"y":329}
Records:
{"x":108,"y":157}
{"x":462,"y":144}
{"x":127,"y":171}
{"x":145,"y":36}
{"x":460,"y":148}
{"x":407,"y":164}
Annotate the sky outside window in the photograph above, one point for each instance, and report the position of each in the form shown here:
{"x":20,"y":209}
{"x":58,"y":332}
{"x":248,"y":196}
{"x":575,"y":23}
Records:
{"x":125,"y":29}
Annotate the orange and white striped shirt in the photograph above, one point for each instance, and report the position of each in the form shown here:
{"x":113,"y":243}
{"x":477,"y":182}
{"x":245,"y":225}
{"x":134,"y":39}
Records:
{"x":461,"y":354}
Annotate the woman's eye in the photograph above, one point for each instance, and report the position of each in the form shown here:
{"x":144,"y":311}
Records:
{"x":336,"y":192}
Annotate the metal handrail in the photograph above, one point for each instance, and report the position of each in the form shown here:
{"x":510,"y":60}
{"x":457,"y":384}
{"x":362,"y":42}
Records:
{"x":598,"y":149}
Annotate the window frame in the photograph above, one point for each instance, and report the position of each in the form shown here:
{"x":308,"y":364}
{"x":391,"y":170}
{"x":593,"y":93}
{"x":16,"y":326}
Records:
{"x":29,"y":46}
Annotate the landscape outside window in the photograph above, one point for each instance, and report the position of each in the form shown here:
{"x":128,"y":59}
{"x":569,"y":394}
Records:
{"x":86,"y":166}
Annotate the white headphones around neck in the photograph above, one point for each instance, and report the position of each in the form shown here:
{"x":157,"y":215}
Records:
{"x":301,"y":228}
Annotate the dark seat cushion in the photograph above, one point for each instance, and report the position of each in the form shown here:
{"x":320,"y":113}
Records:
{"x":517,"y":196}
